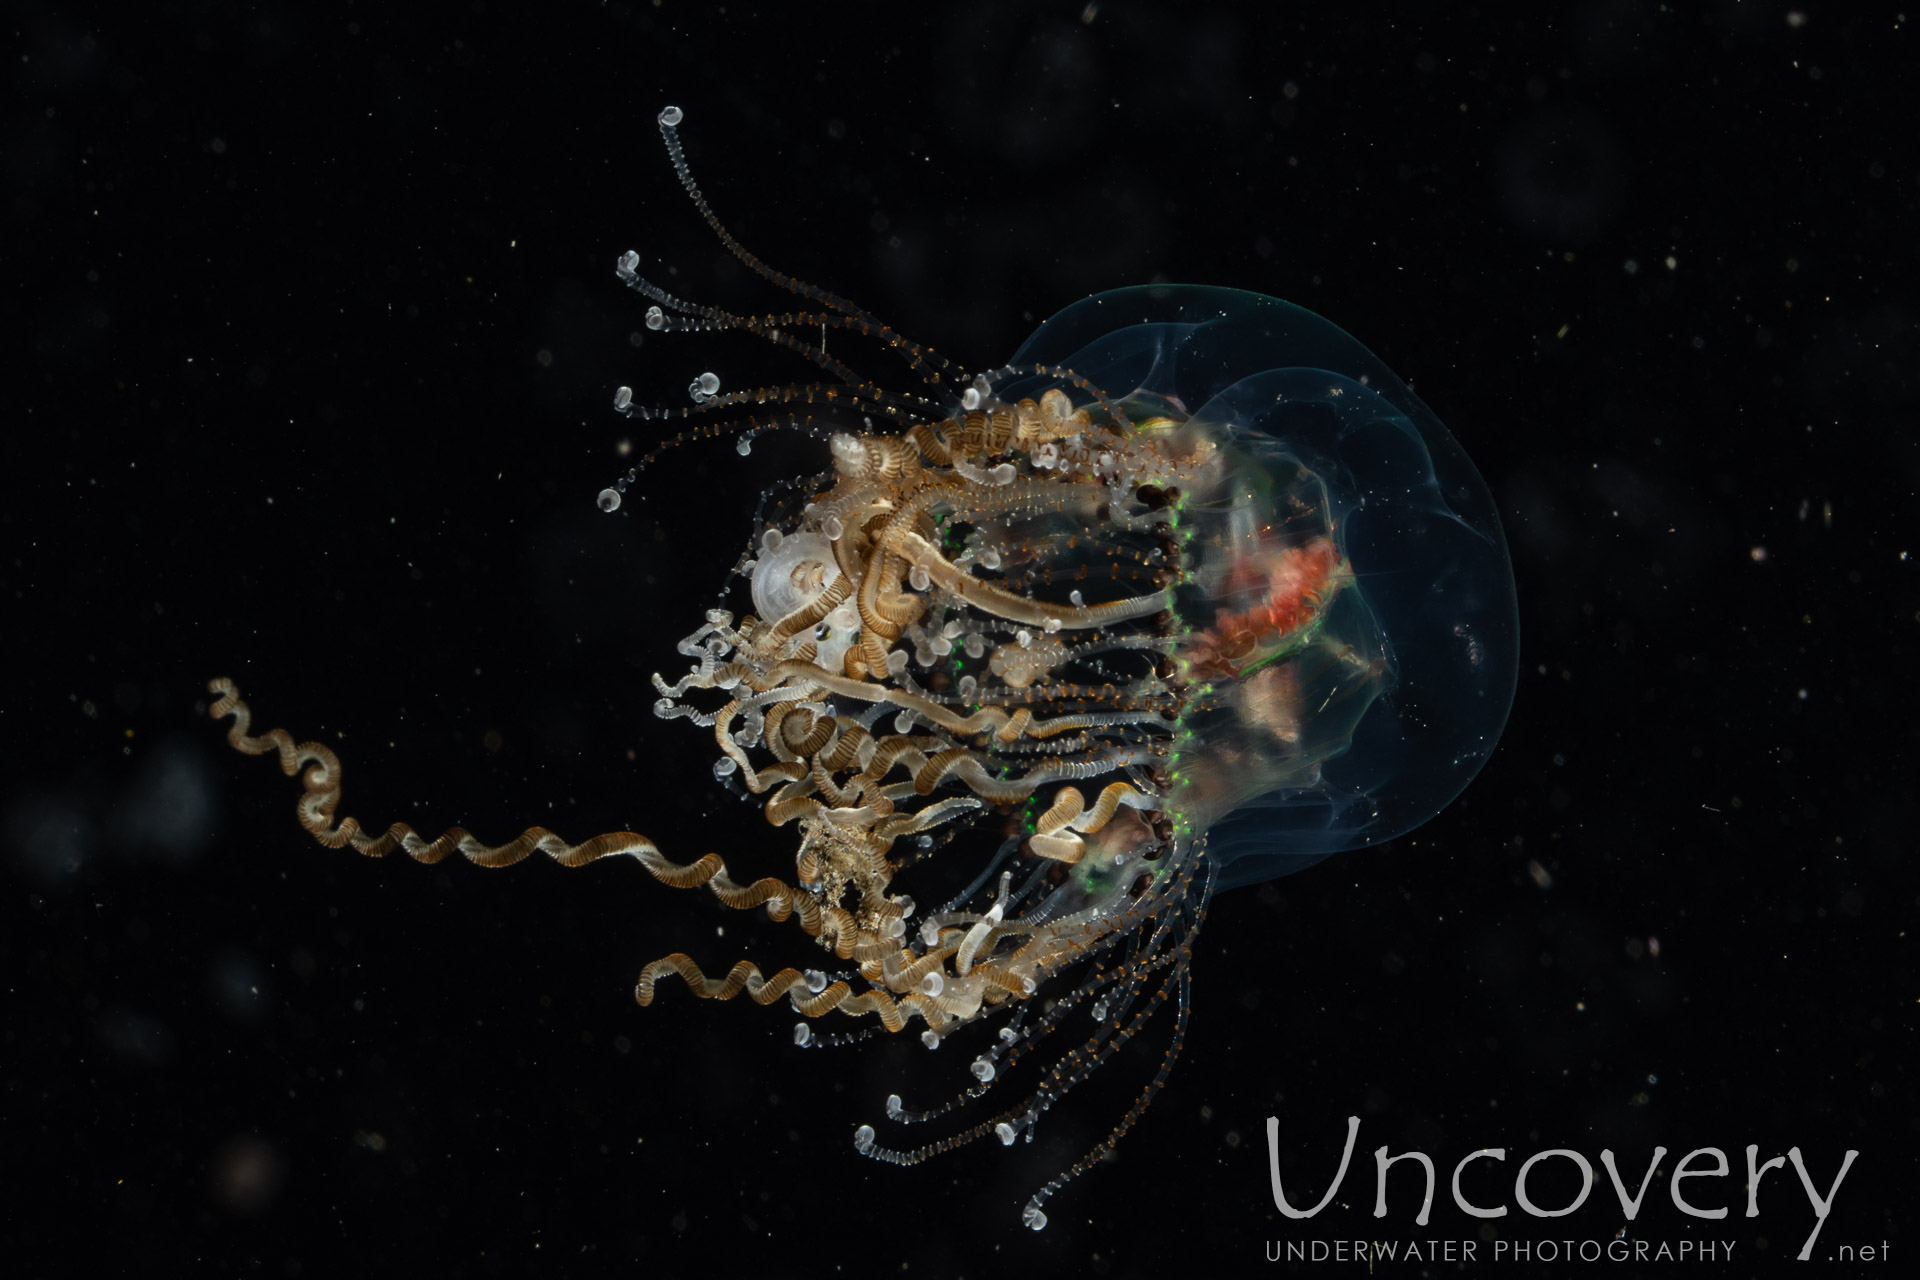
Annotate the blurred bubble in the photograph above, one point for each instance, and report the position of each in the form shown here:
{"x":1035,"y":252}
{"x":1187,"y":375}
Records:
{"x":168,"y":808}
{"x":245,"y":1174}
{"x":136,"y":1037}
{"x":1562,"y":177}
{"x":240,"y":986}
{"x":50,"y":838}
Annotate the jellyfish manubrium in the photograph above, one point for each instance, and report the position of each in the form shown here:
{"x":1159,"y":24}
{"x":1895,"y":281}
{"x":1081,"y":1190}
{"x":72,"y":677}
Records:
{"x":1191,"y":593}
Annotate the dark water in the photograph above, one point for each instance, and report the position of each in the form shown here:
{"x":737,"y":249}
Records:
{"x":316,"y":334}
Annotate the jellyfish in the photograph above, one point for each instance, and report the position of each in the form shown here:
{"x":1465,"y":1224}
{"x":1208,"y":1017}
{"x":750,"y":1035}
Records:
{"x":1190,"y":593}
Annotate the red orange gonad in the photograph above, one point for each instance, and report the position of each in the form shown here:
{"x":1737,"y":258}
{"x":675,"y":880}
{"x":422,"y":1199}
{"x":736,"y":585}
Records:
{"x":1297,"y":583}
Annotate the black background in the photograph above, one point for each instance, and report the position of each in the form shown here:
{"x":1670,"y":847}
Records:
{"x":313,"y":332}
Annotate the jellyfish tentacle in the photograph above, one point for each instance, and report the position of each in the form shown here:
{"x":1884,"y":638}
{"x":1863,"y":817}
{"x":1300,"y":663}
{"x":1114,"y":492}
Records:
{"x":917,"y":356}
{"x":1000,"y":602}
{"x":1115,"y":795}
{"x":864,"y":1142}
{"x":1033,"y":1215}
{"x":745,"y":977}
{"x":925,"y":819}
{"x":1078,"y":1064}
{"x":1016,"y":1041}
{"x":322,"y":782}
{"x":856,"y":396}
{"x":679,"y":314}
